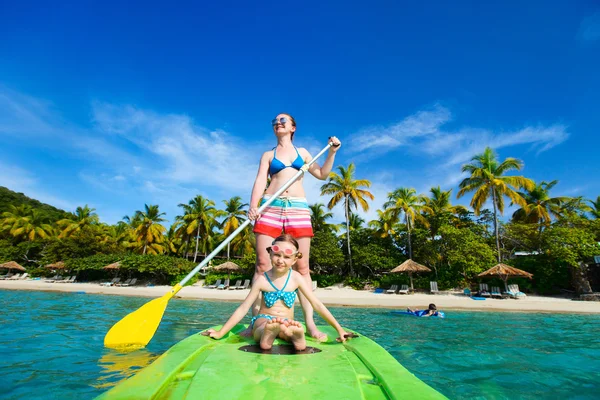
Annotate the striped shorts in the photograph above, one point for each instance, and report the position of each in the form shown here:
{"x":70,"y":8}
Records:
{"x":285,"y":214}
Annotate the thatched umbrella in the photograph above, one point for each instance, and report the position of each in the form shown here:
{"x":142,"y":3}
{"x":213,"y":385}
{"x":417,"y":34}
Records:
{"x":504,"y":271}
{"x":12,"y":265}
{"x":56,"y":265}
{"x":410,"y":266}
{"x":115,"y":265}
{"x":228,"y":266}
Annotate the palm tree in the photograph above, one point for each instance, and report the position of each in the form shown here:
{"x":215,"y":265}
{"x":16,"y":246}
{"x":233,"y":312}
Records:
{"x":14,"y":218}
{"x":540,"y":207}
{"x":345,"y":187}
{"x":83,"y":217}
{"x":487,"y":180}
{"x":235,"y":214}
{"x":200,"y":217}
{"x":595,"y":208}
{"x":384,"y":225}
{"x":406,"y":201}
{"x":438,"y":209}
{"x":245,"y":241}
{"x":27,"y":223}
{"x":150,"y":233}
{"x":319,"y":217}
{"x":356,"y":222}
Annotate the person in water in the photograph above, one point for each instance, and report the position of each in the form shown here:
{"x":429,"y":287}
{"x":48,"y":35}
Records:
{"x":290,"y":212}
{"x":279,"y":287}
{"x":432,"y":311}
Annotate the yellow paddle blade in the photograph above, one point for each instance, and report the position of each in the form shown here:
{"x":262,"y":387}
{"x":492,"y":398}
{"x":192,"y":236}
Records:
{"x":138,"y":327}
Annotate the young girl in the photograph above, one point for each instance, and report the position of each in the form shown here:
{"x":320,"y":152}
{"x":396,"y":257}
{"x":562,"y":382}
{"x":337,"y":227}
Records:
{"x":279,"y":286}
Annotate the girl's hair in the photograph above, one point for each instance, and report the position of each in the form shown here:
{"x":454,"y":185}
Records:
{"x":293,"y":121}
{"x":432,"y":307}
{"x":286,"y":237}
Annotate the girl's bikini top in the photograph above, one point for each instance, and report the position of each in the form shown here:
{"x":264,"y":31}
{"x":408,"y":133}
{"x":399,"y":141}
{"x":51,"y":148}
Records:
{"x":277,"y":165}
{"x":287,"y":297}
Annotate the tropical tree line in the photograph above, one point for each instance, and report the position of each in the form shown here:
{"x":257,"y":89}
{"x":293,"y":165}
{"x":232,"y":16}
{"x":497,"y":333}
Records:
{"x":555,"y":235}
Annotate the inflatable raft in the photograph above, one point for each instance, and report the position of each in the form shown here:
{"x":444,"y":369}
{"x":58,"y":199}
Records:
{"x":235,"y":368}
{"x":439,"y":314}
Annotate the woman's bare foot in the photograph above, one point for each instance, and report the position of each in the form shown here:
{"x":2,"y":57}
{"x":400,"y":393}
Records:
{"x":270,"y":332}
{"x":295,"y":332}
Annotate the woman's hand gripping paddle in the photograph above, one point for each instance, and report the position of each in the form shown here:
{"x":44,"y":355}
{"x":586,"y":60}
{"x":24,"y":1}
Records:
{"x":138,"y":327}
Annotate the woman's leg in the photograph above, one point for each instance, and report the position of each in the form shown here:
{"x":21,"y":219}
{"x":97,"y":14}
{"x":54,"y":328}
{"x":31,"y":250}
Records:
{"x":302,"y":266}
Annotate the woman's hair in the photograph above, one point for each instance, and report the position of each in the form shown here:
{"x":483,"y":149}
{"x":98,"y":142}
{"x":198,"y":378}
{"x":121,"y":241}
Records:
{"x":293,"y":121}
{"x":432,"y":307}
{"x":286,"y":237}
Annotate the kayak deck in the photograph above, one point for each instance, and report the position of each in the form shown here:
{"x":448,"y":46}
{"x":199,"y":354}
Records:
{"x":199,"y":367}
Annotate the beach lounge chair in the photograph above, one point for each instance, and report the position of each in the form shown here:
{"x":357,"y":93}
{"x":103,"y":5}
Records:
{"x":224,"y":285}
{"x":393,"y":289}
{"x":14,"y":277}
{"x":214,"y":285}
{"x":434,"y":288}
{"x":238,"y":283}
{"x":467,"y":292}
{"x":111,"y":283}
{"x":514,"y":292}
{"x":126,"y":283}
{"x":403,"y":289}
{"x":24,"y":276}
{"x":71,"y":279}
{"x":496,"y":292}
{"x":246,"y":284}
{"x":484,"y":291}
{"x":6,"y":276}
{"x":51,"y":279}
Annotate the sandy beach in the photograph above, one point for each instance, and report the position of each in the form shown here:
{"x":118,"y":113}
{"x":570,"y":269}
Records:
{"x":334,"y":296}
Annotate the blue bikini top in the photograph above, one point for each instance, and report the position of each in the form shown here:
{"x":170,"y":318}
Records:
{"x":287,"y":297}
{"x":277,"y":165}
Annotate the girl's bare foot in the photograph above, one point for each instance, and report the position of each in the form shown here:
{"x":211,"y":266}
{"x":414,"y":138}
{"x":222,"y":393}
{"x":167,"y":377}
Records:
{"x":295,"y":331}
{"x":317,"y":334}
{"x":270,"y":332}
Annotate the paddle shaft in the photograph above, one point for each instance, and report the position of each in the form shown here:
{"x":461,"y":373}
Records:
{"x":216,"y":251}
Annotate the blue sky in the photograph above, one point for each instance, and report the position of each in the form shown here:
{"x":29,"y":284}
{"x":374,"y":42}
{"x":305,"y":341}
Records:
{"x":115,"y":105}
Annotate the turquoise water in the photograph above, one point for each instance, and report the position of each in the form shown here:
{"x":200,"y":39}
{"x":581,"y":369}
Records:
{"x":51,"y":347}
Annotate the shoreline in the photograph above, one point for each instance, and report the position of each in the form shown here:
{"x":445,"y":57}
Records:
{"x":333,"y":296}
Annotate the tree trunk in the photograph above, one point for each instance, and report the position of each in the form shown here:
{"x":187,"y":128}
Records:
{"x":409,"y":244}
{"x":145,"y":245}
{"x":228,"y":243}
{"x":580,"y":279}
{"x":496,"y":225}
{"x":197,"y":240}
{"x":348,"y":235}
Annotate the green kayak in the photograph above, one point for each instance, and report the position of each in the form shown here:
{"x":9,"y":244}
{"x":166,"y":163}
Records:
{"x":235,"y":368}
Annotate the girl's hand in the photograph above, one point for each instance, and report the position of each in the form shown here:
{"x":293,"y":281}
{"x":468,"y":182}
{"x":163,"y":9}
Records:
{"x":212,"y":333}
{"x":345,"y":336}
{"x":253,"y":213}
{"x":336,"y":144}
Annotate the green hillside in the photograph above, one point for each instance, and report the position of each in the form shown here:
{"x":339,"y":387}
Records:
{"x":8,"y":198}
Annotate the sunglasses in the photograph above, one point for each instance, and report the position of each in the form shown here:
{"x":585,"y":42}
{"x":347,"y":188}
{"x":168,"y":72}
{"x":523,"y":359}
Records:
{"x":277,"y":249}
{"x":281,"y":121}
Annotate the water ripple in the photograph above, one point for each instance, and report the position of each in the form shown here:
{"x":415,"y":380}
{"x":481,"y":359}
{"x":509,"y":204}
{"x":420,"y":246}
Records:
{"x":51,"y":346}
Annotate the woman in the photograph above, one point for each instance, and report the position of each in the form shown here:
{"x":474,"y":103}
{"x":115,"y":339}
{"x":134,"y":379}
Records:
{"x":289,"y":213}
